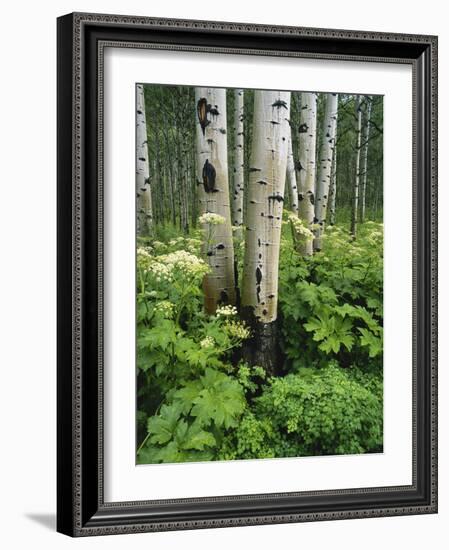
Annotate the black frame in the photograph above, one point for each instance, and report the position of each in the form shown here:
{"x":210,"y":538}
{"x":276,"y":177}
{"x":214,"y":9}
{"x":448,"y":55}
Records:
{"x":81,"y":510}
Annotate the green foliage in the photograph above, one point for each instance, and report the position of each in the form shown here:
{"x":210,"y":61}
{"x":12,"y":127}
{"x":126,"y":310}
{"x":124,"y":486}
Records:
{"x":198,"y":400}
{"x":173,"y":439}
{"x":196,"y":419}
{"x":215,"y":398}
{"x":189,"y":391}
{"x":314,"y":412}
{"x":336,"y":309}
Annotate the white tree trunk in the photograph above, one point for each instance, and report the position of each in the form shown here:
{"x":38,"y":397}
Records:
{"x":333,"y":185}
{"x":291,"y":175}
{"x":366,"y":137}
{"x":306,"y":166}
{"x":355,"y":192}
{"x":143,"y":187}
{"x":265,"y":198}
{"x":333,"y":188}
{"x":238,"y":173}
{"x":212,"y":177}
{"x":265,"y":202}
{"x":325,"y":166}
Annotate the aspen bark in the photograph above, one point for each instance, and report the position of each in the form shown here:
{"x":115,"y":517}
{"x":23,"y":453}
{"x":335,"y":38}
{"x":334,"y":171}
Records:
{"x":333,"y":185}
{"x":143,"y":187}
{"x":184,"y":184}
{"x":325,"y":166}
{"x":291,"y":175}
{"x":265,"y":198}
{"x":213,"y":196}
{"x":181,"y":178}
{"x":333,"y":188}
{"x":158,"y":210}
{"x":366,"y":138}
{"x":238,"y":173}
{"x":355,"y":191}
{"x":306,"y":165}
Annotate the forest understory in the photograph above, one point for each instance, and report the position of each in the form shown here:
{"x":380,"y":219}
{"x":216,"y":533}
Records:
{"x":259,"y":289}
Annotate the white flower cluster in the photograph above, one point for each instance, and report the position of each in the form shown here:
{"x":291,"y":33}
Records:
{"x":176,"y":242}
{"x":300,"y":228}
{"x":193,"y":245}
{"x":143,"y":257}
{"x":190,"y":244}
{"x":186,"y":262}
{"x":160,"y":271}
{"x":163,"y":267}
{"x":143,"y":252}
{"x":212,"y":219}
{"x":207,"y":342}
{"x":237,"y":329}
{"x":158,"y":245}
{"x":226,"y":311}
{"x":166,"y":308}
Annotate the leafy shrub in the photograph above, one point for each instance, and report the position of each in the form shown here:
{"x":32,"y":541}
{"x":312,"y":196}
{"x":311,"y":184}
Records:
{"x":193,"y":424}
{"x":315,"y":412}
{"x":335,"y":310}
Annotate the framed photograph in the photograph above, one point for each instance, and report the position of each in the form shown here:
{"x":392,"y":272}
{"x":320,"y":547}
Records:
{"x":246,"y":274}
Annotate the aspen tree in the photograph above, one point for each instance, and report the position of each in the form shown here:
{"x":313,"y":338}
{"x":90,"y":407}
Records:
{"x":333,"y":184}
{"x":143,"y":187}
{"x":213,"y":196}
{"x":238,"y":173}
{"x":306,"y":165}
{"x":325,"y":166}
{"x":355,"y":189}
{"x":291,"y":176}
{"x":265,"y":198}
{"x":333,"y":188}
{"x":366,"y":138}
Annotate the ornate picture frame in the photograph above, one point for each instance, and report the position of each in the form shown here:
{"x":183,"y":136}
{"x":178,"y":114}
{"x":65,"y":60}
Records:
{"x":81,"y":507}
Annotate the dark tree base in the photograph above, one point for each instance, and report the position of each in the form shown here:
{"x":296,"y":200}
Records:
{"x":262,"y":349}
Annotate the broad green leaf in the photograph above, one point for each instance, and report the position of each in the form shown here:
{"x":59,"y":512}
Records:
{"x":198,"y":439}
{"x":162,"y":427}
